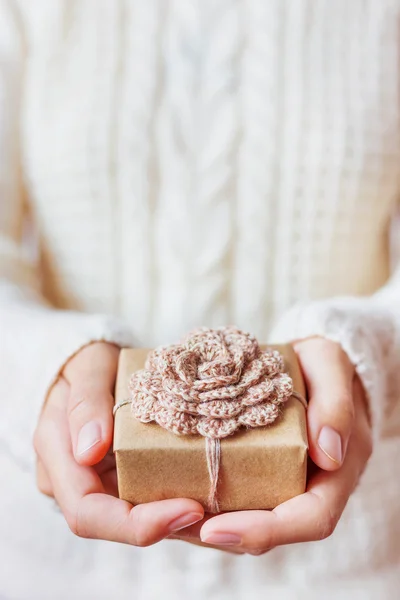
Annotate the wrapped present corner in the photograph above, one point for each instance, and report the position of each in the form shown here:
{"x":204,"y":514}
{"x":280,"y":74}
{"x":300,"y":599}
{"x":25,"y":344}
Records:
{"x":259,"y":467}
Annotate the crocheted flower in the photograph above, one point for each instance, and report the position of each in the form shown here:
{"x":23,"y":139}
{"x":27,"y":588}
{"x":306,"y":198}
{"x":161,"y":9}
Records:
{"x":214,"y":382}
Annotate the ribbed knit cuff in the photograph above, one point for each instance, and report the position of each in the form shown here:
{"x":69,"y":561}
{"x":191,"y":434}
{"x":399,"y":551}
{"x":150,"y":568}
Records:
{"x":36,"y":343}
{"x":365,"y":333}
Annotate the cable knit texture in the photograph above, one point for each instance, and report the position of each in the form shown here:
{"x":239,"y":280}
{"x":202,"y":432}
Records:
{"x":186,"y":163}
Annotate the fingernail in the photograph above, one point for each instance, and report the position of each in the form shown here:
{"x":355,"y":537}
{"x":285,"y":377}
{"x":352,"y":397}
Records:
{"x":222,"y":539}
{"x":184,"y":521}
{"x":89,"y":436}
{"x":331,"y":444}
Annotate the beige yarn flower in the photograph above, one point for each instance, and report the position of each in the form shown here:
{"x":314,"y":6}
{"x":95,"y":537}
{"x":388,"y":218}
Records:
{"x":213,"y":383}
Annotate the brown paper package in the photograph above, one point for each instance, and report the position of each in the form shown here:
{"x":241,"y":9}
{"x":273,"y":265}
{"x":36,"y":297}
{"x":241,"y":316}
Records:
{"x":260,"y":468}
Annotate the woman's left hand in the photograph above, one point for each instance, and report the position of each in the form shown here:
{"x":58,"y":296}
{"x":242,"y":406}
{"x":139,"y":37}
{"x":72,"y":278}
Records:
{"x":340,"y":445}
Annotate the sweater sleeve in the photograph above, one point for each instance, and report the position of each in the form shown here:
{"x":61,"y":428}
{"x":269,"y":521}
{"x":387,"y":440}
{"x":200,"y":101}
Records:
{"x":36,"y":340}
{"x":368,"y":329}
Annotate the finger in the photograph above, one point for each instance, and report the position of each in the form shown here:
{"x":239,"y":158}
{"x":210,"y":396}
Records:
{"x":329,"y":375}
{"x":90,"y":402}
{"x":192,"y":532}
{"x":141,"y":525}
{"x":89,"y":512}
{"x":191,"y":535}
{"x":43,"y":481}
{"x":308,"y":517}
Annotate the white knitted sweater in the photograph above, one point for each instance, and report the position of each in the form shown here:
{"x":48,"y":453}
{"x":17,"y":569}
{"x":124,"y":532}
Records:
{"x":190,"y":162}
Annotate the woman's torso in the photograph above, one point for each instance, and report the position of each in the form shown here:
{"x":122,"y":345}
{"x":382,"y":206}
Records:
{"x":210,"y":162}
{"x":214,"y":162}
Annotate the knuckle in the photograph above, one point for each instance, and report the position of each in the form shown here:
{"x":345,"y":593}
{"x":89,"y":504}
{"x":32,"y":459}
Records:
{"x":78,"y":405}
{"x":141,"y":535}
{"x":327,"y":518}
{"x":43,"y":487}
{"x":76,"y":523}
{"x":257,"y":551}
{"x":141,"y":538}
{"x":40,"y":437}
{"x":86,"y":403}
{"x":72,"y":523}
{"x":327,"y":525}
{"x":73,"y":528}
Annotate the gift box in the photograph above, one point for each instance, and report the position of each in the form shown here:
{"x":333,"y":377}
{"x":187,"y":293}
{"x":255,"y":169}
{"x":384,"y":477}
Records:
{"x":259,"y":467}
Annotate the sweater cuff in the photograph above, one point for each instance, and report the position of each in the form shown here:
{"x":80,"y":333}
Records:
{"x":33,"y":358}
{"x":365,"y":333}
{"x":96,"y":328}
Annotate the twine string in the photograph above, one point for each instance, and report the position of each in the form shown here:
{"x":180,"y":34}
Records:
{"x":213,"y":455}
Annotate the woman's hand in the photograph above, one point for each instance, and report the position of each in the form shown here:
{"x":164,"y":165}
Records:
{"x":340,"y":445}
{"x":74,"y":433}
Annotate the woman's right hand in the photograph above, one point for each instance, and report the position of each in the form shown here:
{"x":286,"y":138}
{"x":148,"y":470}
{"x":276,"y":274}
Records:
{"x":75,"y":464}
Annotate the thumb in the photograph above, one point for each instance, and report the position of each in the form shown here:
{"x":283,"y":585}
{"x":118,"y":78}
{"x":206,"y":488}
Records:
{"x":91,"y":375}
{"x":329,"y":375}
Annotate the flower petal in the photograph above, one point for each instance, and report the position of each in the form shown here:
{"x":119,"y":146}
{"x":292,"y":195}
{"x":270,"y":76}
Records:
{"x":259,"y":393}
{"x":217,"y":428}
{"x":221,"y":409}
{"x":143,"y":407}
{"x":259,"y":415}
{"x":176,"y":403}
{"x":178,"y":423}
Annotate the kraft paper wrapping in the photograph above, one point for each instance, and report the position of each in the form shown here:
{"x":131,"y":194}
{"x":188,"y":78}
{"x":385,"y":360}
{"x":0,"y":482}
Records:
{"x":260,"y":468}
